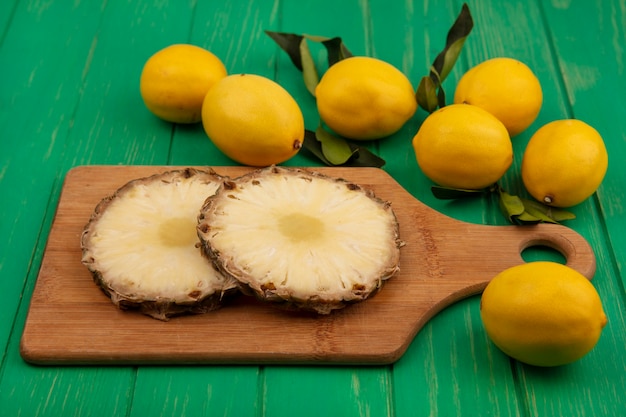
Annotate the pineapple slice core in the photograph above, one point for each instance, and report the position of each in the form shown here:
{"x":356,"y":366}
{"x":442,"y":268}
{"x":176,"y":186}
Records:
{"x":178,"y":231}
{"x":301,"y":227}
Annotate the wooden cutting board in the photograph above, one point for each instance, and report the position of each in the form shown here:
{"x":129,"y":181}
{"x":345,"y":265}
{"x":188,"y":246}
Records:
{"x":70,"y":321}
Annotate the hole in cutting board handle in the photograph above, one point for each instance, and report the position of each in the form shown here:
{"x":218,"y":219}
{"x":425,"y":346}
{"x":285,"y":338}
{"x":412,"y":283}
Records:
{"x":542,"y":252}
{"x":573,"y":248}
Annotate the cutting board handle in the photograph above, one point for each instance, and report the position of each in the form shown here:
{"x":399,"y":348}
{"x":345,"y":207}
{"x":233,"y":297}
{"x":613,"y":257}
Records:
{"x":576,"y":250}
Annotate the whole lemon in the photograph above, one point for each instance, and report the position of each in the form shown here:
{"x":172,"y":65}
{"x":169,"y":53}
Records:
{"x":564,"y":163}
{"x":253,"y":120}
{"x":542,"y":313}
{"x":506,"y":88}
{"x":463,"y":146}
{"x":365,"y":98}
{"x":175,"y":80}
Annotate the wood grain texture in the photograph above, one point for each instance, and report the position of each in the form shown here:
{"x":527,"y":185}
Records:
{"x":443,"y":261}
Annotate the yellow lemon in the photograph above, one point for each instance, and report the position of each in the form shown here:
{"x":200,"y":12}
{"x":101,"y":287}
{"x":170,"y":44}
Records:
{"x":506,"y":88}
{"x":542,"y":313}
{"x":253,"y":120}
{"x":175,"y":80}
{"x":365,"y":98}
{"x":463,"y":146}
{"x":564,"y":163}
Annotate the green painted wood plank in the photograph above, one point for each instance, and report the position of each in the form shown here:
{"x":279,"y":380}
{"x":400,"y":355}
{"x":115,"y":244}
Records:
{"x":196,"y":391}
{"x":111,"y":124}
{"x":92,"y":118}
{"x":451,"y":368}
{"x":329,"y":391}
{"x":592,"y":77}
{"x":7,"y":8}
{"x":38,"y":91}
{"x":27,"y":390}
{"x":592,"y":64}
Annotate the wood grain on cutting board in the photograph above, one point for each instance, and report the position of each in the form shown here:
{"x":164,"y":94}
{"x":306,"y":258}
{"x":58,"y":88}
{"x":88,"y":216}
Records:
{"x":70,"y":321}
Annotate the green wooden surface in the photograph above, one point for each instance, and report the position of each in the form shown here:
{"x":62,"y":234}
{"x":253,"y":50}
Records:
{"x":69,"y":96}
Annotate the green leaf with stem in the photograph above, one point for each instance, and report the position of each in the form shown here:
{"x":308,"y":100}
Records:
{"x":361,"y":157}
{"x":336,"y":50}
{"x":427,"y":94}
{"x":510,"y":205}
{"x":525,"y":211}
{"x":525,"y":219}
{"x":458,"y":33}
{"x":447,"y":193}
{"x":290,"y":43}
{"x":554,"y":214}
{"x":335,"y":150}
{"x":517,"y":210}
{"x":297,"y":48}
{"x":444,"y":62}
{"x":309,"y":71}
{"x":312,"y":145}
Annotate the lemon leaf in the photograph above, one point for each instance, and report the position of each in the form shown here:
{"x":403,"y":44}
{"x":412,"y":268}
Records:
{"x":444,"y":62}
{"x":513,"y":208}
{"x":511,"y":205}
{"x":297,"y":48}
{"x":460,"y":30}
{"x":441,"y":97}
{"x":336,"y":50}
{"x":309,"y":72}
{"x":524,"y":211}
{"x":335,"y":149}
{"x":312,"y":145}
{"x":525,"y":219}
{"x":539,"y":215}
{"x":554,"y":214}
{"x":364,"y":158}
{"x":426,"y":94}
{"x":517,"y":210}
{"x":290,"y":43}
{"x":361,"y":157}
{"x":447,"y":193}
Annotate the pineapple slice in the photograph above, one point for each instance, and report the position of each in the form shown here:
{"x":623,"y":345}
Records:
{"x":142,"y":248}
{"x":301,"y":239}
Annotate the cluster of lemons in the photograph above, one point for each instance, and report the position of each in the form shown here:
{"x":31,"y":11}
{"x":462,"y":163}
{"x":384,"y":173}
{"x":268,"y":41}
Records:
{"x":250,"y":118}
{"x":256,"y":122}
{"x":542,"y":313}
{"x":467,"y":145}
